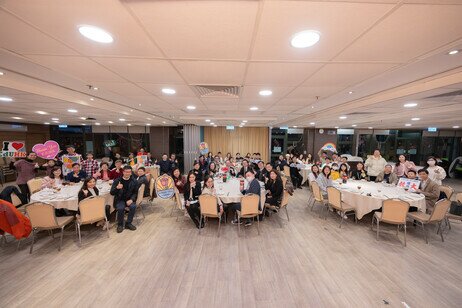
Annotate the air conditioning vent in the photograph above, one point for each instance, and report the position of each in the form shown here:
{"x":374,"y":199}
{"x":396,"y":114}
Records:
{"x":217,"y":91}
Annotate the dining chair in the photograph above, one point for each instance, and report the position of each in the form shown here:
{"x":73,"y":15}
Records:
{"x":34,"y":185}
{"x":283,"y":205}
{"x":284,"y":182}
{"x":452,"y":216}
{"x":311,"y":197}
{"x":92,"y":209}
{"x":437,"y":216}
{"x":249,"y":209}
{"x":209,"y":208}
{"x":287,"y":171}
{"x":448,"y":190}
{"x":178,"y":203}
{"x":334,"y":201}
{"x":42,"y":217}
{"x":152,"y":183}
{"x":140,"y":200}
{"x":317,"y":195}
{"x":394,"y":212}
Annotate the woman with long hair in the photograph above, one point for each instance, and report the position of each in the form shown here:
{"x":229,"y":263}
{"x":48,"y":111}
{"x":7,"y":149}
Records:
{"x":324,"y":180}
{"x":314,"y":173}
{"x":359,"y":173}
{"x":178,"y":180}
{"x":403,"y":166}
{"x":55,"y":179}
{"x":103,"y":173}
{"x":192,"y":191}
{"x":274,"y":188}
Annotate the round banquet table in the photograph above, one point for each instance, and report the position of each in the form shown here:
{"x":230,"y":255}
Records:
{"x":305,"y":171}
{"x":363,"y":204}
{"x":66,"y":198}
{"x":229,"y":192}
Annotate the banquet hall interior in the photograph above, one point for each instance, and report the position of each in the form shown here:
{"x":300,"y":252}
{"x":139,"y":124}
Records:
{"x":250,"y":153}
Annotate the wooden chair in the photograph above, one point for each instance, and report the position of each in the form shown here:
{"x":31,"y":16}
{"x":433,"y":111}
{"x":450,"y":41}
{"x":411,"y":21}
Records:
{"x":34,"y":185}
{"x":178,"y":203}
{"x":334,"y":201}
{"x":209,"y":208}
{"x":449,"y":191}
{"x":437,"y":216}
{"x":42,"y":217}
{"x":284,"y":203}
{"x":284,"y":182}
{"x":140,"y":199}
{"x":394,"y":211}
{"x":91,"y":210}
{"x":287,"y":171}
{"x":317,"y":195}
{"x":452,"y":216}
{"x":249,"y":209}
{"x":152,"y":183}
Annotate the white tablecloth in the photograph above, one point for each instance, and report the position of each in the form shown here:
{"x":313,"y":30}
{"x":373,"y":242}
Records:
{"x":364,"y":204}
{"x":305,"y":171}
{"x":229,"y":192}
{"x":66,"y":198}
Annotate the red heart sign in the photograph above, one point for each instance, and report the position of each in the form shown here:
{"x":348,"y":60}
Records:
{"x":17,"y":145}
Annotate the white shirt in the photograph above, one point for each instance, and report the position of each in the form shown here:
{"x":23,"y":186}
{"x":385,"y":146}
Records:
{"x":436,"y":177}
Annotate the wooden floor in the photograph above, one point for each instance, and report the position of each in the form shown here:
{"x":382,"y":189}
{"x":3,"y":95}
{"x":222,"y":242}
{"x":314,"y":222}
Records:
{"x":309,"y":262}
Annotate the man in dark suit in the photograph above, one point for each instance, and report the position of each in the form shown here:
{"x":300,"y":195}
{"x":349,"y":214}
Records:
{"x":125,"y":191}
{"x":244,"y":169}
{"x":165,"y":165}
{"x":429,"y":189}
{"x":254,"y":188}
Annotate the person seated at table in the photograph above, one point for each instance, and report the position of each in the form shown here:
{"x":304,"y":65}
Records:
{"x":334,"y":173}
{"x":403,"y":166}
{"x":88,"y":189}
{"x":228,"y":156}
{"x":217,"y":160}
{"x":309,"y":158}
{"x":244,"y":169}
{"x":314,"y":173}
{"x":173,"y":162}
{"x":254,"y":188}
{"x":142,"y":179}
{"x":212,"y":170}
{"x":192,"y":191}
{"x":117,"y":172}
{"x":324,"y":180}
{"x":76,"y":175}
{"x":274,"y":189}
{"x":359,"y":173}
{"x":231,"y":170}
{"x":344,"y":171}
{"x":114,"y":157}
{"x":295,"y":175}
{"x":125,"y":190}
{"x":344,"y":160}
{"x":90,"y":165}
{"x":387,"y":176}
{"x":266,"y":171}
{"x":336,"y":159}
{"x":103,"y":173}
{"x":429,"y":188}
{"x":327,"y":162}
{"x":220,"y":158}
{"x":164,"y":165}
{"x":197,"y":171}
{"x":301,"y":159}
{"x":149,"y":162}
{"x":209,"y":189}
{"x":130,"y":161}
{"x":259,"y":171}
{"x":203,"y":164}
{"x":412,"y":174}
{"x":55,"y":179}
{"x":280,"y":163}
{"x":178,"y":180}
{"x":49,"y":165}
{"x":238,"y":156}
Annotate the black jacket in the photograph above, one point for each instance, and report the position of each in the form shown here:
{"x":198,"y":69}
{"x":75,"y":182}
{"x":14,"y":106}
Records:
{"x":129,"y":192}
{"x":82,"y":196}
{"x":242,"y":171}
{"x":196,"y":191}
{"x":358,"y":175}
{"x":276,"y":188}
{"x":143,"y":180}
{"x":164,"y":166}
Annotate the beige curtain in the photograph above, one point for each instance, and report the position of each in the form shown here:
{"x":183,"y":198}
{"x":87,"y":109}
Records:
{"x":243,"y":140}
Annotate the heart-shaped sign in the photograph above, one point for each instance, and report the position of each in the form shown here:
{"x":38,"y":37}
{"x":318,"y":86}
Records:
{"x":48,"y":150}
{"x":17,"y":145}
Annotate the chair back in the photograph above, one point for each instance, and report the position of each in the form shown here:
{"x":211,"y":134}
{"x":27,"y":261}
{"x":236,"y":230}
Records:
{"x":285,"y":199}
{"x":249,"y":205}
{"x":154,"y":173}
{"x":286,"y":170}
{"x":151,"y":187}
{"x":15,"y":200}
{"x":394,"y":211}
{"x":459,"y":197}
{"x":140,"y":196}
{"x":284,"y":181}
{"x":34,"y":185}
{"x":208,"y":205}
{"x":42,"y":215}
{"x":178,"y":200}
{"x":449,"y":191}
{"x":440,"y":210}
{"x":334,"y":197}
{"x":92,"y":209}
{"x":316,"y":192}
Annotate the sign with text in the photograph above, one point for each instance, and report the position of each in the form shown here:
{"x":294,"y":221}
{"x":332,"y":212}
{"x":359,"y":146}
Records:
{"x":47,"y":150}
{"x":165,"y":187}
{"x":109,"y":143}
{"x":411,"y":185}
{"x":13,"y":149}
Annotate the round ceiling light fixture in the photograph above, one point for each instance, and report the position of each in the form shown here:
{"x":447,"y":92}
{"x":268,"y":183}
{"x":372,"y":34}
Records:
{"x":168,"y":91}
{"x":265,"y":92}
{"x":305,"y":39}
{"x":96,"y":34}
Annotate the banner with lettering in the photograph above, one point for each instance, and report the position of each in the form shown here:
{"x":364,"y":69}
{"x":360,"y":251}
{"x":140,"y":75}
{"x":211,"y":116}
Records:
{"x":13,"y":149}
{"x":411,"y":185}
{"x":165,"y":187}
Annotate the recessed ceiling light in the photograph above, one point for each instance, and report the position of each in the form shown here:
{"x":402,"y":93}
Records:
{"x":295,"y":126}
{"x":410,"y":105}
{"x":342,"y":117}
{"x":1,"y":73}
{"x":351,"y":92}
{"x":131,"y":110}
{"x":97,"y":123}
{"x":55,"y":119}
{"x":207,"y":120}
{"x":168,"y":91}
{"x":191,"y":107}
{"x":41,"y":112}
{"x":95,"y":88}
{"x":122,"y":120}
{"x":336,"y":127}
{"x":139,"y":105}
{"x":110,"y":122}
{"x":453,"y":52}
{"x":5,"y":99}
{"x":83,"y":118}
{"x":72,"y":110}
{"x":16,"y":118}
{"x":312,"y":123}
{"x":415,"y":119}
{"x":407,"y":124}
{"x":96,"y":34}
{"x":129,"y":124}
{"x":253,"y":108}
{"x":164,"y":122}
{"x":148,"y":124}
{"x":305,"y":39}
{"x":265,"y":92}
{"x":148,"y":119}
{"x":354,"y":125}
{"x":370,"y":127}
{"x":47,"y":123}
{"x":212,"y":123}
{"x":244,"y":121}
{"x":456,"y":126}
{"x":92,"y":99}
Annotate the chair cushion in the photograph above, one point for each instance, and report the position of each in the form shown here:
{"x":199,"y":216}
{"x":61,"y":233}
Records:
{"x":64,"y":220}
{"x":419,"y":216}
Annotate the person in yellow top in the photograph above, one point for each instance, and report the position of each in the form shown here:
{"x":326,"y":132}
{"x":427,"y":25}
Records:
{"x":334,"y":174}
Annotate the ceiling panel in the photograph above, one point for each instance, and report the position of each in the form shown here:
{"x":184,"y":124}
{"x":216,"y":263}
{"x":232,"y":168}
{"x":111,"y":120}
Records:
{"x":211,"y":72}
{"x":310,"y":93}
{"x":339,"y":24}
{"x":199,"y":29}
{"x":279,"y":74}
{"x":122,"y":88}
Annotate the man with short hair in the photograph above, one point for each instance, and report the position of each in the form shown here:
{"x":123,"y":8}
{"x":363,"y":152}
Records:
{"x":142,"y":179}
{"x":76,"y":175}
{"x":117,"y":171}
{"x":412,"y":174}
{"x":429,"y":189}
{"x":173,"y":162}
{"x":254,"y":188}
{"x":231,"y":170}
{"x":125,"y":189}
{"x":90,"y":165}
{"x":387,"y":176}
{"x":244,"y":169}
{"x":164,"y":165}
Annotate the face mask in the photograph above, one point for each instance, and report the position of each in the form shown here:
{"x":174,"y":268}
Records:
{"x":249,"y":179}
{"x":431,"y":162}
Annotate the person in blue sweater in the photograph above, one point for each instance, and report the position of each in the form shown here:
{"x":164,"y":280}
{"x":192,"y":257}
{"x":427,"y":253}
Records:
{"x":165,"y":165}
{"x":254,"y":188}
{"x":76,"y":175}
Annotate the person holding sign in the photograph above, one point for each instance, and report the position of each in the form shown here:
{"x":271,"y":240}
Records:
{"x":26,"y":169}
{"x":125,"y":191}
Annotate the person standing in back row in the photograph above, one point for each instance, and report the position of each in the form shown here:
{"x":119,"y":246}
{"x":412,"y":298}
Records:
{"x":374,"y":165}
{"x":27,"y":169}
{"x":125,"y":190}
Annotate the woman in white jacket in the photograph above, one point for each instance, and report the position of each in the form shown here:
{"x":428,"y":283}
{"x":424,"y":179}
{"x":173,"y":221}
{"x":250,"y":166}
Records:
{"x":375,"y":164}
{"x":435,"y":173}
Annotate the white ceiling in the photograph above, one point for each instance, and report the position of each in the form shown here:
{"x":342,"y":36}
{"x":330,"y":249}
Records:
{"x":387,"y":52}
